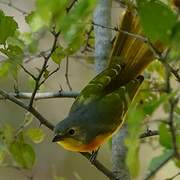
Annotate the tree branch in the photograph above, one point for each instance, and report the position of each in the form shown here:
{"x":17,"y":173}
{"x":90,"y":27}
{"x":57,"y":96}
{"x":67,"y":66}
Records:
{"x":157,"y":55}
{"x":173,"y":177}
{"x":151,"y":173}
{"x":14,"y":7}
{"x":46,"y":58}
{"x":67,"y":74}
{"x":44,"y":95}
{"x":102,"y":15}
{"x":173,"y":103}
{"x":101,"y":167}
{"x":71,"y":5}
{"x":26,"y":107}
{"x":149,"y":133}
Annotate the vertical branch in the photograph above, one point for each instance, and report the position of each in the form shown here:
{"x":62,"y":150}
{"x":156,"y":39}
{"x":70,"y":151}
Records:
{"x":119,"y":152}
{"x":102,"y":16}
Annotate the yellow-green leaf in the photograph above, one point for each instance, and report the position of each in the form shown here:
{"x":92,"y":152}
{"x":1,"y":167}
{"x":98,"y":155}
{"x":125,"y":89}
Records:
{"x":8,"y":27}
{"x":23,"y":154}
{"x":2,"y":154}
{"x":165,"y":138}
{"x":35,"y":134}
{"x":157,"y":19}
{"x":58,"y":55}
{"x":156,"y":162}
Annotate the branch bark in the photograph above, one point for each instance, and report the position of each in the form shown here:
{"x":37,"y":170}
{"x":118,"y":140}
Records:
{"x":44,"y":95}
{"x":119,"y":155}
{"x":102,"y":16}
{"x":102,"y":50}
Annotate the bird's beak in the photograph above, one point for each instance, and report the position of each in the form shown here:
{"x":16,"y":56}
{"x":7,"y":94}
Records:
{"x":57,"y":138}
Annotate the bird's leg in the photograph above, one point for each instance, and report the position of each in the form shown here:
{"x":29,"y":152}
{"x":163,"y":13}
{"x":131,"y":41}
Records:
{"x":94,"y":155}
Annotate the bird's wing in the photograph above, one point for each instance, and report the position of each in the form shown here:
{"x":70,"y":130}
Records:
{"x":96,"y":88}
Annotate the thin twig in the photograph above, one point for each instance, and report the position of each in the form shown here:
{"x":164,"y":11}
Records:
{"x":87,"y":46}
{"x":28,"y":72}
{"x":71,"y":5}
{"x":149,"y":133}
{"x":46,"y":58}
{"x":14,"y":7}
{"x":153,"y":172}
{"x":50,"y":74}
{"x":172,"y":128}
{"x":67,"y":74}
{"x":28,"y":58}
{"x":26,"y":107}
{"x":156,"y":54}
{"x":174,"y":176}
{"x":137,"y":36}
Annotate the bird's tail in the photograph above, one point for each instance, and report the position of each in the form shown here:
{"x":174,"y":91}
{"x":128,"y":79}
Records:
{"x":130,"y":48}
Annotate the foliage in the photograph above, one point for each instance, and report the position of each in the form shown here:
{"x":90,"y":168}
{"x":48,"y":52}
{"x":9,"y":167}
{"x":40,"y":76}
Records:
{"x":160,"y":22}
{"x":160,"y":25}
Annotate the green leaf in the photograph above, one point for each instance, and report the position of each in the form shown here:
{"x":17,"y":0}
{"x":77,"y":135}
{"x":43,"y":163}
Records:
{"x":33,"y":46}
{"x":58,"y":55}
{"x":2,"y":154}
{"x":35,"y":134}
{"x":175,"y":38}
{"x":135,"y":117}
{"x":156,"y":162}
{"x":31,"y":83}
{"x":8,"y":27}
{"x":15,"y":41}
{"x":157,"y":67}
{"x":55,"y":177}
{"x":35,"y":21}
{"x":8,"y":133}
{"x":23,"y":154}
{"x":72,"y":25}
{"x":178,"y":138}
{"x":151,"y":106}
{"x":157,"y":19}
{"x":165,"y":138}
{"x":12,"y":63}
{"x":31,"y":40}
{"x":47,"y":13}
{"x":132,"y":159}
{"x":177,"y":162}
{"x":5,"y":68}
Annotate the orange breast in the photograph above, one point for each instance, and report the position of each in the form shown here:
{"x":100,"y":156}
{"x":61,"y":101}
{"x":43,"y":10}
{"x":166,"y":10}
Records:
{"x":95,"y":144}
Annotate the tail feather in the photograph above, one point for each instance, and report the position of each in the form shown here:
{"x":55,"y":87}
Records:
{"x":133,"y":52}
{"x":133,"y":86}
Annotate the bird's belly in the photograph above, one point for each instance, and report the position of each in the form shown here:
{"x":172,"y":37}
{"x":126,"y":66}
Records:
{"x":74,"y":145}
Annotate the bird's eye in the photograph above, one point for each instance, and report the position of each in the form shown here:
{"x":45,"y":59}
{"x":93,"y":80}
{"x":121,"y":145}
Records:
{"x":71,"y":132}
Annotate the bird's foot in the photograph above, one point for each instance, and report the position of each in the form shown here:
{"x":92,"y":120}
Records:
{"x":93,"y":156}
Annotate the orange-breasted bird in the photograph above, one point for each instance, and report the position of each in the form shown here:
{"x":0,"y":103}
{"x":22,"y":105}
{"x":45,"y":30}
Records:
{"x":100,"y":109}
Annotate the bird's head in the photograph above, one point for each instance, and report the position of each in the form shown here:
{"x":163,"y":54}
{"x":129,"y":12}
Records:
{"x":70,"y":133}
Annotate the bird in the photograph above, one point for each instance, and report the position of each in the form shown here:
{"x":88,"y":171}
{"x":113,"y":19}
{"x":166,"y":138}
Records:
{"x":100,"y":109}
